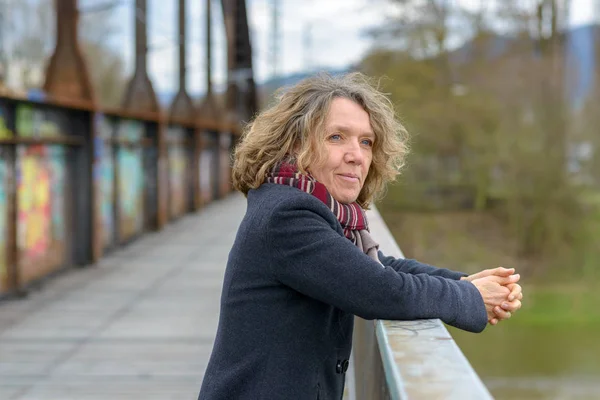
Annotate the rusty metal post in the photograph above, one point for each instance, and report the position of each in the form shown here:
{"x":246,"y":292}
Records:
{"x":241,"y":89}
{"x":208,"y":49}
{"x":233,"y":77}
{"x":209,"y":108}
{"x":140,"y":95}
{"x":182,"y":106}
{"x":241,"y":102}
{"x":97,"y":226}
{"x":14,"y":279}
{"x":67,"y":75}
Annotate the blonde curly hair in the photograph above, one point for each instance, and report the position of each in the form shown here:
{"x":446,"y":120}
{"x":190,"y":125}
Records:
{"x":295,"y":125}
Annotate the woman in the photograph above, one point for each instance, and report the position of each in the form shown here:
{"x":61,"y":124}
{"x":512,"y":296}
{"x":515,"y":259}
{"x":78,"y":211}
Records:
{"x":303,"y":262}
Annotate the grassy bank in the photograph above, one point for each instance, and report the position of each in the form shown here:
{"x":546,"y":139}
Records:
{"x":470,"y":241}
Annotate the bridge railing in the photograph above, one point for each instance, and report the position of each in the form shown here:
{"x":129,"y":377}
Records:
{"x":408,"y":359}
{"x":76,"y":182}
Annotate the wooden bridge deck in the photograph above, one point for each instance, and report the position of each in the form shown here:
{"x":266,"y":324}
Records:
{"x":140,"y":324}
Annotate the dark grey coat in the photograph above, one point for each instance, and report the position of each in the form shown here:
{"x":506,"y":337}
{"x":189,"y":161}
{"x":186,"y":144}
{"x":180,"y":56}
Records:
{"x":292,"y":286}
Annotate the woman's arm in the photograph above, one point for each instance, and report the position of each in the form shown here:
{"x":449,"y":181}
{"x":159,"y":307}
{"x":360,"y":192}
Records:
{"x":308,"y":255}
{"x":410,"y":266}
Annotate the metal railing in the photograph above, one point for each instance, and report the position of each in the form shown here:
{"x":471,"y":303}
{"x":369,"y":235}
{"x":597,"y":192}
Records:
{"x":408,"y":359}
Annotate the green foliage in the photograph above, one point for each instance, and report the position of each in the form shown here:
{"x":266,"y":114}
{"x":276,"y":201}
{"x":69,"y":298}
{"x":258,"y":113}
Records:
{"x":497,"y":142}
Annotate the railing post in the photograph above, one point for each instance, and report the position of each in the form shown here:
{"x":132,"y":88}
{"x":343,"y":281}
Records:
{"x":141,"y":97}
{"x":241,"y":102}
{"x":67,"y":76}
{"x":182,"y":106}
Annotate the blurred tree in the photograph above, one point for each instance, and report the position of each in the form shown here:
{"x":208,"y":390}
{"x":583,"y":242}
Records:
{"x":452,"y":122}
{"x":489,"y":116}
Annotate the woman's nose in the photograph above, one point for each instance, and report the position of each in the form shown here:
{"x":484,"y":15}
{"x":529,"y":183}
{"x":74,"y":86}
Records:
{"x":354,"y":153}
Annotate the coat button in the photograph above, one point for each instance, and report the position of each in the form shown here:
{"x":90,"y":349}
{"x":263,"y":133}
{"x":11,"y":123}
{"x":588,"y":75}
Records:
{"x":342,"y":366}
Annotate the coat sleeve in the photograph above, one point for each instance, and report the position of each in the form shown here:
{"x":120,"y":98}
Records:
{"x":414,"y":267}
{"x":309,"y":256}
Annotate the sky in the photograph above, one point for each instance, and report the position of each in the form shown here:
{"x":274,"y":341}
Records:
{"x":337,"y":36}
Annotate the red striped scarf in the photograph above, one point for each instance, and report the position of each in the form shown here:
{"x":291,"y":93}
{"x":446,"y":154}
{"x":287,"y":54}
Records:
{"x":351,"y":216}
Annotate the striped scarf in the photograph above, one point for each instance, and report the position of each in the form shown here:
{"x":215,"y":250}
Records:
{"x":351,"y":216}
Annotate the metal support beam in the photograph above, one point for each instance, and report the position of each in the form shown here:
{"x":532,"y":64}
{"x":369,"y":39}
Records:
{"x":67,"y":75}
{"x":140,"y":95}
{"x":241,"y":100}
{"x":208,"y":27}
{"x":209,"y":108}
{"x":182,"y":106}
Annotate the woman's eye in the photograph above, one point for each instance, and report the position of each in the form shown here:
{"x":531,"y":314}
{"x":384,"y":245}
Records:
{"x":335,"y":137}
{"x":367,"y":142}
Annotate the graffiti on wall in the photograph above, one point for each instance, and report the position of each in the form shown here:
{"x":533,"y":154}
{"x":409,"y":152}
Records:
{"x":36,"y":122}
{"x":4,"y":131}
{"x":177,"y":161}
{"x":105,"y":178}
{"x":41,"y":203}
{"x":5,"y":181}
{"x":41,"y":192}
{"x":130,"y":179}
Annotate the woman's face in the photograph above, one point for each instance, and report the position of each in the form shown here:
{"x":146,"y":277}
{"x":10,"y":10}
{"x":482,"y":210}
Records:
{"x":349,"y":141}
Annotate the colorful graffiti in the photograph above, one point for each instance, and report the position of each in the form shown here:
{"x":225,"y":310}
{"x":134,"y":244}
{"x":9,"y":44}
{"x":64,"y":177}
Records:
{"x":41,"y":192}
{"x":4,"y":191}
{"x":41,"y":206}
{"x":4,"y":131}
{"x":130,"y":179}
{"x":106,"y":174}
{"x":178,"y":171}
{"x":37,"y":122}
{"x":4,"y":182}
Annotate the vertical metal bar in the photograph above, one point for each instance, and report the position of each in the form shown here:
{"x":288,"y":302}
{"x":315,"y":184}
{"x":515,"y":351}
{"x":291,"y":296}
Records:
{"x":14,"y":281}
{"x":162,"y":178}
{"x":231,"y":96}
{"x":208,"y":49}
{"x":209,"y":109}
{"x":94,"y":173}
{"x":67,"y":75}
{"x":141,"y":39}
{"x":241,"y":90}
{"x":116,"y":150}
{"x":197,"y":148}
{"x":140,"y":95}
{"x":182,"y":106}
{"x":182,"y":44}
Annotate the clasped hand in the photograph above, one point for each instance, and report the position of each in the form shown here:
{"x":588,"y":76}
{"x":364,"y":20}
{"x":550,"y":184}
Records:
{"x":500,"y":291}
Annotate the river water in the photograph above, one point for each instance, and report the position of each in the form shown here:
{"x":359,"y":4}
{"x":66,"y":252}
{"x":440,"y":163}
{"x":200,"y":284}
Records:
{"x":536,"y":361}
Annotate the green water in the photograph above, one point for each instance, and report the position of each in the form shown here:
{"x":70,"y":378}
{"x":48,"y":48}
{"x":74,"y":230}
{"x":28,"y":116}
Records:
{"x":550,"y":349}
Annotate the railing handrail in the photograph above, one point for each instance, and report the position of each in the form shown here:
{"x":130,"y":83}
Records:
{"x":419,"y":358}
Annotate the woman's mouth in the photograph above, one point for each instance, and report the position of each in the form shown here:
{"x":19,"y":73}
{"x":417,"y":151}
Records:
{"x":349,"y":178}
